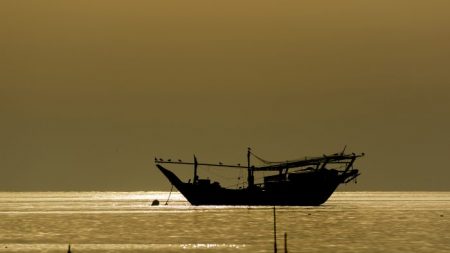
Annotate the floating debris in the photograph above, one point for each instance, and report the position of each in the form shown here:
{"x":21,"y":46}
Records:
{"x":155,"y":202}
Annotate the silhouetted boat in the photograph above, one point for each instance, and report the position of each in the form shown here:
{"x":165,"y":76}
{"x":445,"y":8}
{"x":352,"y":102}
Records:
{"x":304,"y":182}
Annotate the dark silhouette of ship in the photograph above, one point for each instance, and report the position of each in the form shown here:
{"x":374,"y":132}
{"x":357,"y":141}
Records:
{"x":304,"y":182}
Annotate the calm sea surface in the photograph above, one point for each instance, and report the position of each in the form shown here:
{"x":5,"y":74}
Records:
{"x":126,"y":222}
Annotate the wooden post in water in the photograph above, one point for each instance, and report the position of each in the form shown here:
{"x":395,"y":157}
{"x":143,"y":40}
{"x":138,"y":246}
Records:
{"x":274,"y":231}
{"x":285,"y":242}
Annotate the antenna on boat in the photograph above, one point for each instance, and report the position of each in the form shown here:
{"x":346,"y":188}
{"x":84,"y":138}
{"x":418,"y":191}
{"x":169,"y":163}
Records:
{"x":250,"y":170}
{"x":342,"y":153}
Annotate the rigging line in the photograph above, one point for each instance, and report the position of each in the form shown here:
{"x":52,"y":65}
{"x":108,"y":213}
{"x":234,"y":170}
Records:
{"x":210,"y":171}
{"x":262,"y":160}
{"x":167,"y":201}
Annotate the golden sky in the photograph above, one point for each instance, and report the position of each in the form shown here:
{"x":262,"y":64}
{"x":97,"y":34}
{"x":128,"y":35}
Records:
{"x":91,"y":91}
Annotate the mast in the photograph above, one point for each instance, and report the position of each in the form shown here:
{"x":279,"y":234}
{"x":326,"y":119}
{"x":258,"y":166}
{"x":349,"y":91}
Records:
{"x":250,"y":177}
{"x":194,"y":181}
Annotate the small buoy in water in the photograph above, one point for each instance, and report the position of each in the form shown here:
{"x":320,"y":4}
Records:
{"x":442,"y":215}
{"x":309,"y":214}
{"x":155,"y":202}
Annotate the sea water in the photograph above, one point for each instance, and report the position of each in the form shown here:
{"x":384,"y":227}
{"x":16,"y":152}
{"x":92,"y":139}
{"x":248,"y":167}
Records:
{"x":126,"y":222}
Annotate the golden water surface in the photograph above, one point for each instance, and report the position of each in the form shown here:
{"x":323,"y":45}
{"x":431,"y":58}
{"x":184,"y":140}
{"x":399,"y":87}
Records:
{"x":126,"y":222}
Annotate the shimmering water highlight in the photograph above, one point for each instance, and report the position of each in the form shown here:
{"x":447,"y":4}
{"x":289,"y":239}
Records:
{"x":126,"y":222}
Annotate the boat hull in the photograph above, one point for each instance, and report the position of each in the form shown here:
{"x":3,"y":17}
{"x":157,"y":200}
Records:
{"x":309,"y":189}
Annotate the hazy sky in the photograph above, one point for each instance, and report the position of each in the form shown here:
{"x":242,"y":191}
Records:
{"x":91,"y":91}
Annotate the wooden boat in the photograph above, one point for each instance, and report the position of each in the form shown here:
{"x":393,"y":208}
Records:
{"x":304,"y":182}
